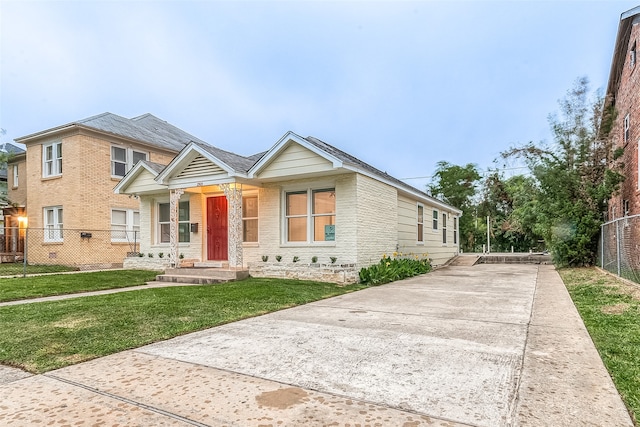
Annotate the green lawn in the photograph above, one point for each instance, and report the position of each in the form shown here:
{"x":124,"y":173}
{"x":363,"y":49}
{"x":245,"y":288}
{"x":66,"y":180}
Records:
{"x":610,"y":310}
{"x":43,"y":336}
{"x":17,"y":269}
{"x":39,"y":286}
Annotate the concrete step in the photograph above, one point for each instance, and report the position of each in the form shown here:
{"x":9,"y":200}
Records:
{"x":211,"y":264}
{"x":201,"y":275}
{"x":465,"y":260}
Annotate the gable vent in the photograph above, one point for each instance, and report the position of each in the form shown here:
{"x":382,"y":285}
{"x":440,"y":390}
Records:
{"x":200,"y":166}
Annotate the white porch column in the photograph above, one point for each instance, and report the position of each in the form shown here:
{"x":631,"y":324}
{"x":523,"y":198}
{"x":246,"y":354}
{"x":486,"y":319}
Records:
{"x":174,"y":231}
{"x":233,"y":192}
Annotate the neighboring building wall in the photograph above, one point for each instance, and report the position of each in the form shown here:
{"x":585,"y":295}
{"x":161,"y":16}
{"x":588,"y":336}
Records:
{"x":627,"y":101}
{"x":377,"y":220}
{"x":17,"y":194}
{"x":85,"y":192}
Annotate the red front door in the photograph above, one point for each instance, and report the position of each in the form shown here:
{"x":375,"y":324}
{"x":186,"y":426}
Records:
{"x":217,"y":230}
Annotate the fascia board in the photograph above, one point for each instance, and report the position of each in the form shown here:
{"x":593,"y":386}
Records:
{"x":184,"y":156}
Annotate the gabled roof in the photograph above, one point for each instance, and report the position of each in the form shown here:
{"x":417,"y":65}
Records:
{"x":153,"y":168}
{"x":7,"y":147}
{"x":147,"y":129}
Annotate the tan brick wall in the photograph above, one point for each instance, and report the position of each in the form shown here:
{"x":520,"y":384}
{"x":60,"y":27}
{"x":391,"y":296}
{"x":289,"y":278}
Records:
{"x":85,"y":192}
{"x":17,"y":194}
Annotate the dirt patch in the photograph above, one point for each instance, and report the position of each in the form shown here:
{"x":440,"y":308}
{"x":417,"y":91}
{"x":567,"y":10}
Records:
{"x":73,"y":322}
{"x":283,"y":398}
{"x":616,"y":308}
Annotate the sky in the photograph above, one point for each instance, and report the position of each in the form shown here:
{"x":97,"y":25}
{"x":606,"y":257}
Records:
{"x":401,"y":85}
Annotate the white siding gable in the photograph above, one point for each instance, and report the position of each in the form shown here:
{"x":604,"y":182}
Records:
{"x":144,"y":182}
{"x":296,"y":160}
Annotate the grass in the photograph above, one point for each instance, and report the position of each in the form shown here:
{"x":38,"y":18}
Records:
{"x":610,"y":309}
{"x":14,"y":269}
{"x":12,"y":289}
{"x":43,"y":336}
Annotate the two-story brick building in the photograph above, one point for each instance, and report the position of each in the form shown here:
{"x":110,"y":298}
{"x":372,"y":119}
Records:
{"x":623,"y":94}
{"x":63,"y":185}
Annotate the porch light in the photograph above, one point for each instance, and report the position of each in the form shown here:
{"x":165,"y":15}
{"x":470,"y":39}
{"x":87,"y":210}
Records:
{"x":22,"y":221}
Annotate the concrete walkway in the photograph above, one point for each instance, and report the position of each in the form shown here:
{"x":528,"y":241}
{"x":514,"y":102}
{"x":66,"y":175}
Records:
{"x":488,"y":345}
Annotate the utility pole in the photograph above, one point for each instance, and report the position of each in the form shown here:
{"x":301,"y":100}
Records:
{"x":488,"y":237}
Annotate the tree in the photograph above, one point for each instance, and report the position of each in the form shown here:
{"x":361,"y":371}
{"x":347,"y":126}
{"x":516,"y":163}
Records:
{"x":573,"y":178}
{"x":456,"y":185}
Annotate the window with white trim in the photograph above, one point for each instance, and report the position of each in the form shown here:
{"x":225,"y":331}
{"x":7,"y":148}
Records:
{"x":435,"y":220}
{"x":164,"y":223}
{"x":53,"y":224}
{"x":15,"y":176}
{"x":125,"y":225}
{"x":455,"y":230}
{"x":52,"y":159}
{"x":420,"y":223}
{"x":627,"y":128}
{"x":310,"y":215}
{"x":123,"y":159}
{"x":632,"y":56}
{"x":444,"y":228}
{"x":250,"y":218}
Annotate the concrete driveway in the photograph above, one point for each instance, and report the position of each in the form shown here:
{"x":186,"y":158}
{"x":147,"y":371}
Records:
{"x":488,"y":345}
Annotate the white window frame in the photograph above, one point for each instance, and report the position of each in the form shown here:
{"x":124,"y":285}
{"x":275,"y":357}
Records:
{"x":52,"y":166}
{"x":159,"y":224}
{"x":444,"y":228}
{"x":128,"y":160}
{"x":627,"y":128}
{"x":247,"y":218}
{"x":309,"y":215}
{"x":434,"y":224}
{"x":420,"y":223}
{"x":632,"y":56}
{"x":53,"y":229}
{"x":15,"y":176}
{"x":126,"y":232}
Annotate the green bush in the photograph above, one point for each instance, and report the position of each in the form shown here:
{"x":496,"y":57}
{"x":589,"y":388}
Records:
{"x":397,"y":267}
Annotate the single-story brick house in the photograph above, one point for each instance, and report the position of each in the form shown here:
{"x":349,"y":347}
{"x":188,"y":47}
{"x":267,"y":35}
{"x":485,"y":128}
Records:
{"x":303,"y":198}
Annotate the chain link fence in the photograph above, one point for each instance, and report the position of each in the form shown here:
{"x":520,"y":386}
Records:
{"x":81,"y":249}
{"x":619,"y":249}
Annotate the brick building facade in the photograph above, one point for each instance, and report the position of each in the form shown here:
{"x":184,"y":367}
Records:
{"x":623,"y":94}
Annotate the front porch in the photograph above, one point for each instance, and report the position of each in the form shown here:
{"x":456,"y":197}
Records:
{"x":202,"y":275}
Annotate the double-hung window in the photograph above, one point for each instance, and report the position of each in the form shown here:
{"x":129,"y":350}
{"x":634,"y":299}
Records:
{"x":123,"y":159}
{"x":444,"y":228}
{"x":420,"y":223}
{"x":627,"y":128}
{"x":53,"y":224}
{"x":164,"y":223}
{"x":52,"y":159}
{"x":435,"y":220}
{"x":125,"y":225}
{"x":310,"y":215}
{"x":632,"y":56}
{"x":250,"y":219}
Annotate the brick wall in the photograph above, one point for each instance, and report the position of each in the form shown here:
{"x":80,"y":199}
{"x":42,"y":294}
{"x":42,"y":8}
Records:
{"x":627,"y":101}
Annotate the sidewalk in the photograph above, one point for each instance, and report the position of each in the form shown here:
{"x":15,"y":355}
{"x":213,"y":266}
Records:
{"x":488,"y":345}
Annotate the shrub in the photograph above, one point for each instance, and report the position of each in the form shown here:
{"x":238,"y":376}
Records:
{"x":278,"y":258}
{"x":394,"y":268}
{"x":296,"y":259}
{"x":160,"y":254}
{"x":333,"y":259}
{"x":265,"y":258}
{"x":314,"y":259}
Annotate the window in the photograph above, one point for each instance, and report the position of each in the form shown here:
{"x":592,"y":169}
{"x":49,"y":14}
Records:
{"x":310,"y":215}
{"x":627,"y":126}
{"x":435,"y":220}
{"x":625,"y":208}
{"x":444,"y":228}
{"x":455,"y":230}
{"x":632,"y":56}
{"x":53,"y":224}
{"x":250,"y":218}
{"x":123,"y":159}
{"x":15,"y":176}
{"x":164,"y":222}
{"x":52,"y":159}
{"x":125,"y":225}
{"x":420,"y":223}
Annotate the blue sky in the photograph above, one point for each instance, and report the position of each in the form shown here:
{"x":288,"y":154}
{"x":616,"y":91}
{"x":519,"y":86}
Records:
{"x":401,"y":85}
